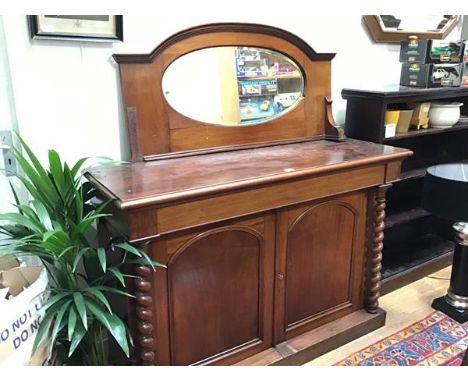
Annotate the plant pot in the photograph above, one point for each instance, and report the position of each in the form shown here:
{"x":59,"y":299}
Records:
{"x":404,"y":121}
{"x":444,"y":115}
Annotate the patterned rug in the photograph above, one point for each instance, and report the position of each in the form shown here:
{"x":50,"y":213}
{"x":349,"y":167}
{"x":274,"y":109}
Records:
{"x":436,"y":340}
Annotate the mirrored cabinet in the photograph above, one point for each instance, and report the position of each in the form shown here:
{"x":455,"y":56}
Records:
{"x":268,"y":219}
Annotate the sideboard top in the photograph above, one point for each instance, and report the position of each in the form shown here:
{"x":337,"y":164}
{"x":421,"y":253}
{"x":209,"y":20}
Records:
{"x":146,"y":183}
{"x":396,"y":93}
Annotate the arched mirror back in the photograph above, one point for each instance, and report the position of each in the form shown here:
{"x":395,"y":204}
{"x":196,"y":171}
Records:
{"x":225,"y":86}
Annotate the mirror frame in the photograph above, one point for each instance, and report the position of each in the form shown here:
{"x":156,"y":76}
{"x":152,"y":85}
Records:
{"x":231,"y":83}
{"x":157,"y":131}
{"x":379,"y":35}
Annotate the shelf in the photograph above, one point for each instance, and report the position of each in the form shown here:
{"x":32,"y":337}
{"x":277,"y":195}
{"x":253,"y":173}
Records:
{"x":413,"y":174}
{"x":410,"y":252}
{"x":419,"y":172}
{"x":254,"y":117}
{"x":413,"y":254}
{"x":394,"y":220}
{"x":462,"y":125}
{"x":256,"y":95}
{"x":399,"y":94}
{"x":275,"y":77}
{"x":410,"y":275}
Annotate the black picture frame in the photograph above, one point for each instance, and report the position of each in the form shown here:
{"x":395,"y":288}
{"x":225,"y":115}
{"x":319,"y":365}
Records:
{"x":36,"y":31}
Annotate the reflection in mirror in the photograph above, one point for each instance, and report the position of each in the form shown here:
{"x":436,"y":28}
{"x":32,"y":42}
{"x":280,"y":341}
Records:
{"x":421,"y":23}
{"x":233,"y":86}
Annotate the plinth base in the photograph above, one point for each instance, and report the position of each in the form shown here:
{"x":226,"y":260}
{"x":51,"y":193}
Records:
{"x":442,"y":305}
{"x":307,"y":346}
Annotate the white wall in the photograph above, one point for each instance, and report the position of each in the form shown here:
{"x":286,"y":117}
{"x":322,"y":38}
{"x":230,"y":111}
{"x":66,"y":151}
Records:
{"x":186,"y":79}
{"x":67,"y":93}
{"x":7,"y":120}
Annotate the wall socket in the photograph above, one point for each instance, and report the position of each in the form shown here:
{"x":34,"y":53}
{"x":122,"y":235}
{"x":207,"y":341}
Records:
{"x":6,"y":142}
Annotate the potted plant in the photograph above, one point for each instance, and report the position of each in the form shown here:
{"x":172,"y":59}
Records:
{"x":58,"y":225}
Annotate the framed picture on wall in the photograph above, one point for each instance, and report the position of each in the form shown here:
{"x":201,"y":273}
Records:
{"x":76,"y":27}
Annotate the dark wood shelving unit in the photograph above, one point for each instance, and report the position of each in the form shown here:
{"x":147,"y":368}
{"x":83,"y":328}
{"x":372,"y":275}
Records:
{"x":414,"y":259}
{"x":416,"y":243}
{"x":405,"y":217}
{"x":431,"y":130}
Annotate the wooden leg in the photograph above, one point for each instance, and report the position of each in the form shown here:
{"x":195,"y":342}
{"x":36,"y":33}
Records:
{"x":374,"y":250}
{"x":144,"y":316}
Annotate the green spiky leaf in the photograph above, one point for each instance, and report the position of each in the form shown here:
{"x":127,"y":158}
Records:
{"x":71,"y":322}
{"x":101,"y":253}
{"x":81,"y":308}
{"x":99,"y":296}
{"x":116,"y":272}
{"x":77,"y":336}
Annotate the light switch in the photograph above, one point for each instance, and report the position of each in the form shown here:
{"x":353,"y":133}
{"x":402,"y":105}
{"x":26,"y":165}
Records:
{"x":9,"y":160}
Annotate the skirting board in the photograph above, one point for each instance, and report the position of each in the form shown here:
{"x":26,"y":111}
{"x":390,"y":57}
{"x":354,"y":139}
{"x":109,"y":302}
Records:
{"x":305,"y":347}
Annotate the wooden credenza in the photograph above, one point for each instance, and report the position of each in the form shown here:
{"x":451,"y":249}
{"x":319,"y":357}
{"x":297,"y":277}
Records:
{"x":256,"y":254}
{"x":271,"y":233}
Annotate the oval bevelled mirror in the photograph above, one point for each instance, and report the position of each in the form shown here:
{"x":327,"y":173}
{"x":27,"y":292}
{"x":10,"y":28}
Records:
{"x":233,"y":86}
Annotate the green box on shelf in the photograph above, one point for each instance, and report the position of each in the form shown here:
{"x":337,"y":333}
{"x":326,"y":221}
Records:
{"x":431,"y":51}
{"x":431,"y":75}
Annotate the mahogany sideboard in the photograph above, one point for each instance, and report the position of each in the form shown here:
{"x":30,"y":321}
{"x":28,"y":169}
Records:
{"x":271,"y":233}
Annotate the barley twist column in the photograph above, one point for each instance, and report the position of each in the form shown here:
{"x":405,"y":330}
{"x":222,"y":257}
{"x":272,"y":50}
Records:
{"x":144,"y":315}
{"x":374,"y":252}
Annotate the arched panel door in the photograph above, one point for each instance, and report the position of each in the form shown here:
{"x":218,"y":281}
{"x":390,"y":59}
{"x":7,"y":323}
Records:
{"x":219,"y":292}
{"x":320,"y":258}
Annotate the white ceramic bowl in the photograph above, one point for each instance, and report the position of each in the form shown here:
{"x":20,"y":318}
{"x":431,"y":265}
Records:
{"x":443,"y":115}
